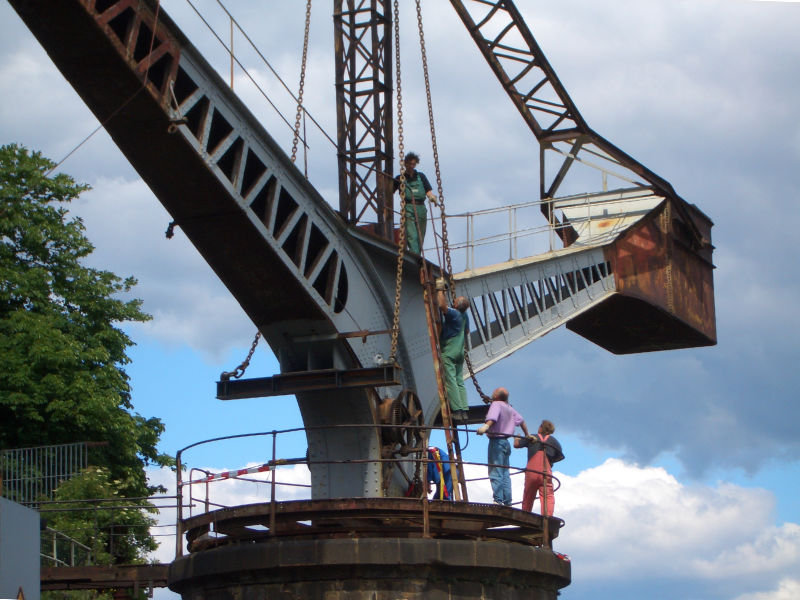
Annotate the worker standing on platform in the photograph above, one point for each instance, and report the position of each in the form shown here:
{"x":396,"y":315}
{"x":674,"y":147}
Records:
{"x":417,"y":189}
{"x":543,"y":451}
{"x":455,"y":325}
{"x":501,"y":420}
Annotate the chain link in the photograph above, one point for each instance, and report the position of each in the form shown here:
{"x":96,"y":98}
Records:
{"x":445,"y":243}
{"x":297,"y":118}
{"x":401,"y":244}
{"x":239,"y":371}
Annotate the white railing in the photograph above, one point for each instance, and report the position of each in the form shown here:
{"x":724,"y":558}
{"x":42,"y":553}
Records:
{"x":507,"y":233}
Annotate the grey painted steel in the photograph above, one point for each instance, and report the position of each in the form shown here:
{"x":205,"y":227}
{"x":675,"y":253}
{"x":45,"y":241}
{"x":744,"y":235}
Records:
{"x":19,"y":550}
{"x":513,"y":304}
{"x":369,"y":264}
{"x":310,"y":222}
{"x":295,"y":267}
{"x":323,"y":380}
{"x":371,"y":568}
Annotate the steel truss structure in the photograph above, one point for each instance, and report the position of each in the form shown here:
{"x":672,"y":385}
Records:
{"x":507,"y":44}
{"x":362,"y":39}
{"x":310,"y":282}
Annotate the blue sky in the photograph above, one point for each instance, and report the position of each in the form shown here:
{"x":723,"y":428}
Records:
{"x":703,"y":442}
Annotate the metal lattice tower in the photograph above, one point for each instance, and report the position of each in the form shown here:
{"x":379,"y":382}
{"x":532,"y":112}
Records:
{"x":363,"y":50}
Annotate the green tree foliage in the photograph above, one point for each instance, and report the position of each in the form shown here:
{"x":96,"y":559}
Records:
{"x":61,"y":348}
{"x":117,"y":530}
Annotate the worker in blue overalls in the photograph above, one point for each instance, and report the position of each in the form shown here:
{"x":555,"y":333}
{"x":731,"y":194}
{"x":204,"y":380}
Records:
{"x":455,"y":327}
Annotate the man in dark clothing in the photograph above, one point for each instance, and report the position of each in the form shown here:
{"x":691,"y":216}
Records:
{"x":543,"y":451}
{"x":417,"y":189}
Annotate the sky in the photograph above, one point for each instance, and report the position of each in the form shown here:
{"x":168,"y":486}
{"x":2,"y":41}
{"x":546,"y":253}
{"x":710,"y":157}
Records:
{"x":682,"y":471}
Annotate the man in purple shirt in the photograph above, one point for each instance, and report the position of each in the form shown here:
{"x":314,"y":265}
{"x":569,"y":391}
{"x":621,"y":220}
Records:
{"x":501,"y":420}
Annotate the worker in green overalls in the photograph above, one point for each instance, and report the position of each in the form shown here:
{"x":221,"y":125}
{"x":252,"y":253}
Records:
{"x":455,"y":325}
{"x":417,"y":189}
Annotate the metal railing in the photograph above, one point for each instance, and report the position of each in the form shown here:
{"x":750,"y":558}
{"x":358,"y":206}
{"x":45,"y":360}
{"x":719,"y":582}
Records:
{"x":31,"y":475}
{"x":266,"y":474}
{"x":506,"y":233}
{"x":60,"y":550}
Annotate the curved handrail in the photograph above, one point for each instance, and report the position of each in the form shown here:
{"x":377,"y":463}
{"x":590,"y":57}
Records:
{"x":270,"y":467}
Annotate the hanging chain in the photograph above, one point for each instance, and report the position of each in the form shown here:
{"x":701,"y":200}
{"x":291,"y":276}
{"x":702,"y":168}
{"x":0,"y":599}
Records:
{"x":434,"y":144}
{"x":300,"y":111}
{"x":401,"y":244}
{"x":239,"y":371}
{"x":445,"y":243}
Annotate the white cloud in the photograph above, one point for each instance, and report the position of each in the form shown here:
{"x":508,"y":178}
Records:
{"x":293,"y":482}
{"x":623,"y":522}
{"x":788,"y":589}
{"x":659,"y":527}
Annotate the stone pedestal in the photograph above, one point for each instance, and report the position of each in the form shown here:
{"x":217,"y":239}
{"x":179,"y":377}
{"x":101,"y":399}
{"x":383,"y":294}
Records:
{"x":370,"y":569}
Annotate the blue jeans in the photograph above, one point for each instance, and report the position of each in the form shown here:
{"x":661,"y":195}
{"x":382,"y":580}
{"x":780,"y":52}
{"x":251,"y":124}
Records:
{"x":499,"y":453}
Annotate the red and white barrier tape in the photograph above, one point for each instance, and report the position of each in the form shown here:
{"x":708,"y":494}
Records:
{"x":229,"y":474}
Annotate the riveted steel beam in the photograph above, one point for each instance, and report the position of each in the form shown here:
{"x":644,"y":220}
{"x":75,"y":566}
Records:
{"x":307,"y":381}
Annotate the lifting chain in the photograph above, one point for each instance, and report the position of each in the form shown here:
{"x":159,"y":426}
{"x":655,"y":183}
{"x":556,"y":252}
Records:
{"x":401,"y":244}
{"x":445,"y":243}
{"x":239,"y":371}
{"x":433,"y":139}
{"x":299,"y":114}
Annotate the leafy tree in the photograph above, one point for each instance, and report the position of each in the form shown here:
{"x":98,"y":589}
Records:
{"x":63,"y":354}
{"x":115,"y":532}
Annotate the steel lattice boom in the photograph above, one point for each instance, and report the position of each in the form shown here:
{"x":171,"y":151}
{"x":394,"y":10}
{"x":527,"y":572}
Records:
{"x":320,"y":290}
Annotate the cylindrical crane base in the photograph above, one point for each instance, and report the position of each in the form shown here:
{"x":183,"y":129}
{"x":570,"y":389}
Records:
{"x":370,"y":569}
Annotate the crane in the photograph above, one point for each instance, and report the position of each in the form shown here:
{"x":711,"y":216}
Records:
{"x":634,"y":274}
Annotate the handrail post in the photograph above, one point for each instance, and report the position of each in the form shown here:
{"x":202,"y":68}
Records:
{"x":426,"y":522}
{"x":516,"y":237}
{"x":510,"y":235}
{"x":179,"y":510}
{"x":468,"y":249}
{"x":589,"y":217}
{"x":472,"y":243}
{"x":272,"y":490}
